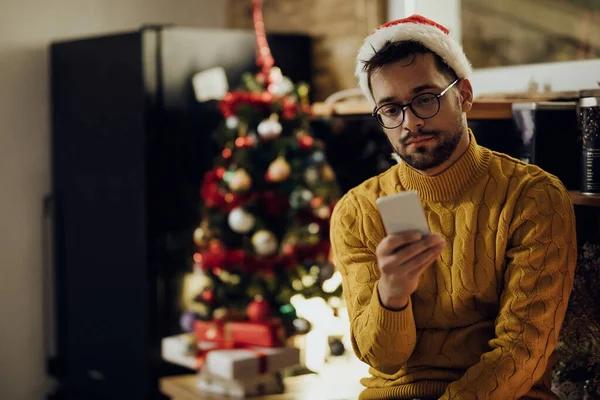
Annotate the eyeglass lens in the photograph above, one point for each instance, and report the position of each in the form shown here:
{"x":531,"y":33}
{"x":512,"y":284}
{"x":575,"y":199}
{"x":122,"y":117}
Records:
{"x":423,"y":106}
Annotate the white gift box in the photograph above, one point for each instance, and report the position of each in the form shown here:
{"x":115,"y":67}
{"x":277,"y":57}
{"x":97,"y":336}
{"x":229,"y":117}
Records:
{"x":175,"y":349}
{"x":241,"y":388}
{"x":250,"y":362}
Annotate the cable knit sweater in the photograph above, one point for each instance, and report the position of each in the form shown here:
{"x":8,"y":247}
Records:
{"x":486,"y":316}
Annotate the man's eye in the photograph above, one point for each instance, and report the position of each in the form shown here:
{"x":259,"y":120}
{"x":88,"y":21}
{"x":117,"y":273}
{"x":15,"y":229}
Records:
{"x":424,"y":100}
{"x":391,"y":111}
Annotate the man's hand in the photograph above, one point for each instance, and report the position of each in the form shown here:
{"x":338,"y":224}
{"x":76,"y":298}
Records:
{"x":402,"y":258}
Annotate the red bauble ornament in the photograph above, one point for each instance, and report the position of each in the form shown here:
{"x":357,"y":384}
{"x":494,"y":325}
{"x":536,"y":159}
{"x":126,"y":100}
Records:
{"x":289,"y":249}
{"x":240,"y":141}
{"x":208,"y":296}
{"x":220,"y":172}
{"x":306,"y":141}
{"x":258,"y":310}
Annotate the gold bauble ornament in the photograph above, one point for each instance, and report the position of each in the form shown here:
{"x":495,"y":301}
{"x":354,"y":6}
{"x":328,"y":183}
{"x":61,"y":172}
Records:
{"x":199,"y":237}
{"x":279,"y":170}
{"x":240,"y":181}
{"x":327,"y":173}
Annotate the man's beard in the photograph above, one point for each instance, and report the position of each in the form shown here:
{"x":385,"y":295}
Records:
{"x":423,"y":158}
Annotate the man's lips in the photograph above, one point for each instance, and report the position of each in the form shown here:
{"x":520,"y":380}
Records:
{"x":419,"y":139}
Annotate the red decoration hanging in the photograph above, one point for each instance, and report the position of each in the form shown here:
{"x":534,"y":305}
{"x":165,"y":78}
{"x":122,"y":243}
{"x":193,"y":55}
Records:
{"x":264,"y":58}
{"x":306,"y":141}
{"x":228,"y":105}
{"x":258,"y":310}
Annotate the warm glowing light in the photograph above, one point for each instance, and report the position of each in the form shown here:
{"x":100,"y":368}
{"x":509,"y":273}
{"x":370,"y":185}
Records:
{"x":316,"y":202}
{"x":313,"y":228}
{"x":331,"y":284}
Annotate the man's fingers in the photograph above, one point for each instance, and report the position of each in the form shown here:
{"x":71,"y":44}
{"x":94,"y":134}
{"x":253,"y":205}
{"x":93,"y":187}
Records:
{"x":416,"y":248}
{"x":420,"y":255}
{"x":391,"y":243}
{"x":426,"y":261}
{"x":388,"y":262}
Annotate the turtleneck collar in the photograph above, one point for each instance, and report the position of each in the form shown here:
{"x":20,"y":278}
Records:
{"x":453,"y":181}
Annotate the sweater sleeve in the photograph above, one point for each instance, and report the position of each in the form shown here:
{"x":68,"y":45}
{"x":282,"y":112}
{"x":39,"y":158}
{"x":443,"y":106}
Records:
{"x":541,"y":256}
{"x":382,"y":338}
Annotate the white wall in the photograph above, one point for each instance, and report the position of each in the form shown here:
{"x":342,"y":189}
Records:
{"x":558,"y":76}
{"x":26,"y":29}
{"x":445,"y":12}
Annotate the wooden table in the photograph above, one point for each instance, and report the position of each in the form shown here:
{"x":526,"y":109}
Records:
{"x":339,"y":380}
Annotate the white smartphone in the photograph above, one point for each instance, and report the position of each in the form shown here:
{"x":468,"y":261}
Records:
{"x":402,"y":212}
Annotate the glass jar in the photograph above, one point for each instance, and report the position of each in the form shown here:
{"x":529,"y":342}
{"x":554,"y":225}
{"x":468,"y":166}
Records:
{"x":589,"y":121}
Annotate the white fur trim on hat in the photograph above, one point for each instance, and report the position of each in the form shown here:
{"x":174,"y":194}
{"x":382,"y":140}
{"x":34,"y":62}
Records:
{"x":415,"y":28}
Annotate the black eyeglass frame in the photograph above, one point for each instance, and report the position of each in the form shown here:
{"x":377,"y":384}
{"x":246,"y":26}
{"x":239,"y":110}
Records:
{"x":403,"y":107}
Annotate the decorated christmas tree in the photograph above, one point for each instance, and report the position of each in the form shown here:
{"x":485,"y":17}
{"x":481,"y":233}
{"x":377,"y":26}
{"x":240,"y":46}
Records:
{"x":264,"y":232}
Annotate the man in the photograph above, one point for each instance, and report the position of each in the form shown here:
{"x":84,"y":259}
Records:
{"x":472,"y":311}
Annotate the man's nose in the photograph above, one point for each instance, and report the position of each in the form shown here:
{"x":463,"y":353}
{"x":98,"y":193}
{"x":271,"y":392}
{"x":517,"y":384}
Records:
{"x":411,"y":122}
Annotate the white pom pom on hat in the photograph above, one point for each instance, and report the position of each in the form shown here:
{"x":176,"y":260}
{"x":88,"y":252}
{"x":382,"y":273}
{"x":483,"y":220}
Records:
{"x":414,"y":28}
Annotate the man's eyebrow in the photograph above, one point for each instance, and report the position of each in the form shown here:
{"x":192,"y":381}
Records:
{"x":388,"y":99}
{"x":416,"y":90}
{"x":426,"y":86}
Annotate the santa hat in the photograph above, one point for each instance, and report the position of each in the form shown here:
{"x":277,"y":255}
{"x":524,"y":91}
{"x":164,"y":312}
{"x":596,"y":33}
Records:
{"x":414,"y":28}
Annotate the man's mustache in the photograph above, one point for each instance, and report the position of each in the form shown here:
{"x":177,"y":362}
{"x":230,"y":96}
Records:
{"x":413,"y":136}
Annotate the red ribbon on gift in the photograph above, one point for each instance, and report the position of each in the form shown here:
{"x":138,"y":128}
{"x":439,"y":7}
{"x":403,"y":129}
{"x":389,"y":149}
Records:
{"x":262,"y":356}
{"x":221,"y":336}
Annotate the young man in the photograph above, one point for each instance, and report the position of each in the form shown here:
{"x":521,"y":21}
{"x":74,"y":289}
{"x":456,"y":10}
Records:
{"x":474,"y":310}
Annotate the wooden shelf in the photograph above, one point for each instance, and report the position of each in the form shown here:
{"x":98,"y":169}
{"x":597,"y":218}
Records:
{"x":578,"y":198}
{"x":488,"y":109}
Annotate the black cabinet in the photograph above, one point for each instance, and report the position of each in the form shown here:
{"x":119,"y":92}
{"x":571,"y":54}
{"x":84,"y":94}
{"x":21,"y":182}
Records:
{"x":130,"y":145}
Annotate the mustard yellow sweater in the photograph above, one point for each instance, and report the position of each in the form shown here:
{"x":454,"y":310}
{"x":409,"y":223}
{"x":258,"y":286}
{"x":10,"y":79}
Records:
{"x":486,"y":316}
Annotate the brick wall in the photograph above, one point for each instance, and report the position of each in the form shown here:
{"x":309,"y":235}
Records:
{"x":338,"y":27}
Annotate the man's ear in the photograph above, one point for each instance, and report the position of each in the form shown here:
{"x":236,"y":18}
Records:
{"x":466,"y":95}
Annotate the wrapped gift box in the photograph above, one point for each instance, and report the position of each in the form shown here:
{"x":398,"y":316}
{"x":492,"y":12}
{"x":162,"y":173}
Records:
{"x":250,"y":362}
{"x":241,"y":388}
{"x":241,"y":333}
{"x":179,"y":350}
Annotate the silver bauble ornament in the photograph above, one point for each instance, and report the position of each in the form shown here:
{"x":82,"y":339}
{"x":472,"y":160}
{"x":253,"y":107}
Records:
{"x":240,"y":220}
{"x":264,"y":242}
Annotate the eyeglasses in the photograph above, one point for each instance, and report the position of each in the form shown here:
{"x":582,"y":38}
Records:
{"x":424,"y":106}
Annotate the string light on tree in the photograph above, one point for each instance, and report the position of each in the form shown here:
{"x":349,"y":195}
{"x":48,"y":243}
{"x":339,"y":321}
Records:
{"x":232,"y":122}
{"x":311,"y":175}
{"x":327,"y":173}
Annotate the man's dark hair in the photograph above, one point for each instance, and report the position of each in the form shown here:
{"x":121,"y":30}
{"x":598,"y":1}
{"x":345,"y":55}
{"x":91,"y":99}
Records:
{"x":404,"y":50}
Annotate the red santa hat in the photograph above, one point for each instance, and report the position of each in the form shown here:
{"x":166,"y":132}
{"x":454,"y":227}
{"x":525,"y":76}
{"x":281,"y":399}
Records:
{"x":414,"y":28}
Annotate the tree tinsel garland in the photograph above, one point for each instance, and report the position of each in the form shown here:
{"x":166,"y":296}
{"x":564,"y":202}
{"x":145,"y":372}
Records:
{"x":579,"y":344}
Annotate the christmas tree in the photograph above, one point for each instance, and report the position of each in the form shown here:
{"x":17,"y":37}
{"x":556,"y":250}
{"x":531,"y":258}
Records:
{"x":264,"y":233}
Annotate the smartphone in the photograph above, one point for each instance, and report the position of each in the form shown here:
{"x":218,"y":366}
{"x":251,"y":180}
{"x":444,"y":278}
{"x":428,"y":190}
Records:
{"x":402,"y":212}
